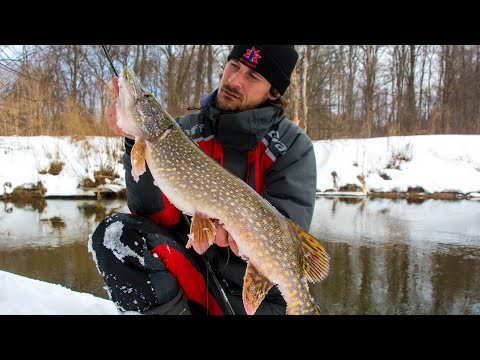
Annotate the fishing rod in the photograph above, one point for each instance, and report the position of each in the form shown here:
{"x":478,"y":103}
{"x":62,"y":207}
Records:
{"x":110,"y":60}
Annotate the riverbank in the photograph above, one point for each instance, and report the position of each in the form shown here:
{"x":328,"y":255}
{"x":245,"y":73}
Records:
{"x":434,"y":166}
{"x":23,"y":195}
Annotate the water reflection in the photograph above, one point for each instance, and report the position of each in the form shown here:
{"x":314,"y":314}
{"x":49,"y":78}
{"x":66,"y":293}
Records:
{"x":399,"y":257}
{"x":387,"y":256}
{"x":48,"y":241}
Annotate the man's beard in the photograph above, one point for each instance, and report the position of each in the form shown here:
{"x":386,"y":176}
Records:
{"x":226,"y":105}
{"x":220,"y":105}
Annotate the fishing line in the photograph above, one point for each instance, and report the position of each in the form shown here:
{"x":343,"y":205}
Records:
{"x":110,"y":60}
{"x":214,"y":277}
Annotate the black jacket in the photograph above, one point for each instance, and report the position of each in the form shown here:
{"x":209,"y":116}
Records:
{"x":288,"y":178}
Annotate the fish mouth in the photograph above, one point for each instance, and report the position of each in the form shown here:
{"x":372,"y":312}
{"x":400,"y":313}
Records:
{"x":132,"y":83}
{"x":130,"y":90}
{"x":138,"y":112}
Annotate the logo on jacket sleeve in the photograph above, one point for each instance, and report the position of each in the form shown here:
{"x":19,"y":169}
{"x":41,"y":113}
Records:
{"x":252,"y":55}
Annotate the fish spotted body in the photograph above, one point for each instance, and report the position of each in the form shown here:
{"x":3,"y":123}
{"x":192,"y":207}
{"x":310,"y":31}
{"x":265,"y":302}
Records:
{"x":277,"y":251}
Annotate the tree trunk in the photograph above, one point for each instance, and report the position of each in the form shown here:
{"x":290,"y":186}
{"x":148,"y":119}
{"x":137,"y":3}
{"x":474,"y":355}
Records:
{"x":295,"y":97}
{"x":410,"y":96}
{"x":199,"y":74}
{"x":370,"y":66}
{"x":210,"y":69}
{"x":304,"y":119}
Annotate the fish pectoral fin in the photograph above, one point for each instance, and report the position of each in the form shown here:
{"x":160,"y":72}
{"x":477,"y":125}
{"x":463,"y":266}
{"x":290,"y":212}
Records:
{"x":137,"y":156}
{"x":202,"y":233}
{"x":255,"y":287}
{"x":315,"y":260}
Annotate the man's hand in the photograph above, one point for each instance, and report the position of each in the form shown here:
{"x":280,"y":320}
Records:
{"x":223,"y":238}
{"x":111,"y":114}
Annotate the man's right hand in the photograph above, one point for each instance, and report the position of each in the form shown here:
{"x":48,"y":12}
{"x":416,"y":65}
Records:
{"x":112,"y":113}
{"x":224,"y":239}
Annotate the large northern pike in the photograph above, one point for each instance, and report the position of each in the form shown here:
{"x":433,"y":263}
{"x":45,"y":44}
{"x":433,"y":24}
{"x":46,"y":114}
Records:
{"x":277,"y":250}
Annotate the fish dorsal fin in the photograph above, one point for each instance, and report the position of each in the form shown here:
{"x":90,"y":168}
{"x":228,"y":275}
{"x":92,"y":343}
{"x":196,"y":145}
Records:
{"x":315,"y":260}
{"x":255,"y":287}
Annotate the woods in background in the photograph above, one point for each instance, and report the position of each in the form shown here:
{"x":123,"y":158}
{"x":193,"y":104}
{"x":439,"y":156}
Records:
{"x":337,"y":91}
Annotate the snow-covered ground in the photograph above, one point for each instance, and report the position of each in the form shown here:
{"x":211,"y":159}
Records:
{"x":25,"y":161}
{"x":20,"y":295}
{"x":436,"y":163}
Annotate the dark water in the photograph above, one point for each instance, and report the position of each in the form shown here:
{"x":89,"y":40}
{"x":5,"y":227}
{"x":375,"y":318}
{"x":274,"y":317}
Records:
{"x":387,"y":256}
{"x":47,"y":241}
{"x":395,"y":257}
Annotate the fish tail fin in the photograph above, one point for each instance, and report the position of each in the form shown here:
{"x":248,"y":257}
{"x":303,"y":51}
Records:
{"x":255,"y":287}
{"x":315,"y":260}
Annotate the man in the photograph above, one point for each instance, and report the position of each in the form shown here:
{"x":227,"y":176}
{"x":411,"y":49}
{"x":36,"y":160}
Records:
{"x":242,"y":125}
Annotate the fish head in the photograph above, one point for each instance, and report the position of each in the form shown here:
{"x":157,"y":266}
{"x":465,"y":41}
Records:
{"x":138,"y":111}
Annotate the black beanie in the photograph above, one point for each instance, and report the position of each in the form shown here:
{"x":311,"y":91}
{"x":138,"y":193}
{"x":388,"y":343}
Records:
{"x":274,"y":62}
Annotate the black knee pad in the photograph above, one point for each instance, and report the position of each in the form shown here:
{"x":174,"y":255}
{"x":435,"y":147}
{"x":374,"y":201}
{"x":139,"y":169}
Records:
{"x":135,"y":279}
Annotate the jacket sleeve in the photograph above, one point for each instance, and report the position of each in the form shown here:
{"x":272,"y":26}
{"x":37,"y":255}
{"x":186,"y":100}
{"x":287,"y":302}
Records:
{"x":291,"y":182}
{"x":145,"y":198}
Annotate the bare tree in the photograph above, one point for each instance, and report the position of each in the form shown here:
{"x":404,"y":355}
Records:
{"x":294,"y":97}
{"x":447,"y":88}
{"x":336,"y":90}
{"x":305,"y":58}
{"x":199,"y":83}
{"x":370,"y":62}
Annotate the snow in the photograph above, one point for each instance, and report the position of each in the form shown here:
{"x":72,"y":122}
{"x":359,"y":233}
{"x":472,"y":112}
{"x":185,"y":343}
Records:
{"x":24,"y":296}
{"x":22,"y":159}
{"x":436,"y":163}
{"x":113,"y":232}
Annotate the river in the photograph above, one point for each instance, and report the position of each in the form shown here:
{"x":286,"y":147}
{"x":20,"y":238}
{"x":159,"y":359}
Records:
{"x":387,"y":256}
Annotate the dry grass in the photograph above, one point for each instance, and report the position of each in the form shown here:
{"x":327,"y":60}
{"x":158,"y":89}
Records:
{"x":35,"y":192}
{"x":56,"y":167}
{"x":100,"y":177}
{"x":402,"y":154}
{"x":351,"y":188}
{"x":418,"y":195}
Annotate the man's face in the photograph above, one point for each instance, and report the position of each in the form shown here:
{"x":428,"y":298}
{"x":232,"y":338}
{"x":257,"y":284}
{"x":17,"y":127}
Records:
{"x":242,"y":88}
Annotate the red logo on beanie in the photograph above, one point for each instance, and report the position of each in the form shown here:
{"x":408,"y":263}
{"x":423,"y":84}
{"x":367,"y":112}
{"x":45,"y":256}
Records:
{"x":252,"y":55}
